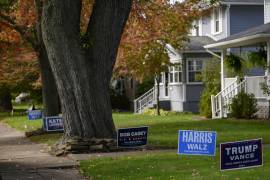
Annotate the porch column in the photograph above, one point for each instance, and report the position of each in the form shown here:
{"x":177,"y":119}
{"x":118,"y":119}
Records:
{"x":268,"y":60}
{"x":223,"y":54}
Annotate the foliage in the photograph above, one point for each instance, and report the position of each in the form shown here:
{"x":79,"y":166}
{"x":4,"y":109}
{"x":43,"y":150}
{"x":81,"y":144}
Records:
{"x":152,"y":25}
{"x":211,"y":81}
{"x":152,"y":112}
{"x":119,"y":102}
{"x":259,"y":58}
{"x":19,"y":69}
{"x":235,"y":64}
{"x":144,"y":86}
{"x":243,"y":106}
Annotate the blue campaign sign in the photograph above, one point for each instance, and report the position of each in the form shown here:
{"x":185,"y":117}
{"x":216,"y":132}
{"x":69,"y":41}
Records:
{"x":34,"y":114}
{"x":54,"y":123}
{"x":241,"y":154}
{"x":197,"y":142}
{"x":132,"y":137}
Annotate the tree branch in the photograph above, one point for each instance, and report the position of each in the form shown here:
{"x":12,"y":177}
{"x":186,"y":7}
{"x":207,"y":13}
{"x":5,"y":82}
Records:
{"x":20,"y":29}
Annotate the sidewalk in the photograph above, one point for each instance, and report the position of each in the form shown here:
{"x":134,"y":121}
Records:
{"x":21,"y":159}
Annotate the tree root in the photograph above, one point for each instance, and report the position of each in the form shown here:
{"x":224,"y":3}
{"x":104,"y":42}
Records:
{"x":76,"y":145}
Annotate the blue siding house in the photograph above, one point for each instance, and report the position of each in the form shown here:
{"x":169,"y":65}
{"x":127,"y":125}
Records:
{"x":179,"y":89}
{"x":258,"y":36}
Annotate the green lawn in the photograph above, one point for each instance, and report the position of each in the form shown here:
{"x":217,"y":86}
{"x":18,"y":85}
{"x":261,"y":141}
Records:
{"x":169,"y":166}
{"x":164,"y":129}
{"x":163,"y":133}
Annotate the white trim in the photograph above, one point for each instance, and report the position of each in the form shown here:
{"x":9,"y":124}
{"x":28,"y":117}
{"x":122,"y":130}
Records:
{"x":187,"y":70}
{"x":228,"y":21}
{"x":268,"y":59}
{"x":200,"y":26}
{"x":239,"y":41}
{"x":220,"y":21}
{"x":176,"y":83}
{"x":241,"y":3}
{"x":222,"y":73}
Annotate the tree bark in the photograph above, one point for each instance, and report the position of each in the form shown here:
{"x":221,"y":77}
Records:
{"x":5,"y":99}
{"x":83,"y":74}
{"x":50,"y":98}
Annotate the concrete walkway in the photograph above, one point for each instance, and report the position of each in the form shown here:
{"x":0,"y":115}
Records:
{"x":21,"y":159}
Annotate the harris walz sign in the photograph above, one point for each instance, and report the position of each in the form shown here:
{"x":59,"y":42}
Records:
{"x":34,"y":114}
{"x":241,"y":154}
{"x":132,"y":137}
{"x":54,"y":123}
{"x":196,"y":142}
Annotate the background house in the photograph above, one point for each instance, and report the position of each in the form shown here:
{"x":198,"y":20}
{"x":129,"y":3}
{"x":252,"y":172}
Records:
{"x":179,"y":89}
{"x":250,"y":38}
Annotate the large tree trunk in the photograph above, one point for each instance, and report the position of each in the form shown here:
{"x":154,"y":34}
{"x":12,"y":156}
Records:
{"x":5,"y":99}
{"x":83,"y":74}
{"x":50,"y":98}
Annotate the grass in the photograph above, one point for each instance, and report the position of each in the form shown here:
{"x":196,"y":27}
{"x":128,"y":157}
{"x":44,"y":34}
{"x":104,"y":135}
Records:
{"x":163,"y":133}
{"x":168,"y":166}
{"x":163,"y":130}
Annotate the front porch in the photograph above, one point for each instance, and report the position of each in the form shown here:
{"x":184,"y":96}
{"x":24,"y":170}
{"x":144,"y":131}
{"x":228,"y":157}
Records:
{"x":249,"y":84}
{"x":230,"y":87}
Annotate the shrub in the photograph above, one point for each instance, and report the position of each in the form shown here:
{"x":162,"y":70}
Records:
{"x":153,"y":112}
{"x":243,"y":106}
{"x":211,"y":81}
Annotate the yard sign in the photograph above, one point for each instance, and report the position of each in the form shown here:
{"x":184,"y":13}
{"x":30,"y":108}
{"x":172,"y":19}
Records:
{"x":34,"y":114}
{"x":54,"y":123}
{"x":132,"y":137}
{"x":241,"y":154}
{"x":197,"y":142}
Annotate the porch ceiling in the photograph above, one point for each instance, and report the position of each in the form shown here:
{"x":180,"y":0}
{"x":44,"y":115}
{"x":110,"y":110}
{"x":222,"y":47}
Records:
{"x":259,"y":34}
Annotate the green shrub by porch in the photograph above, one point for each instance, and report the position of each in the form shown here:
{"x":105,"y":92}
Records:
{"x":243,"y":106}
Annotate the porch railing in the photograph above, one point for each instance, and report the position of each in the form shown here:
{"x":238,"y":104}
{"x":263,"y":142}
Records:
{"x":221,"y":102}
{"x":146,"y":100}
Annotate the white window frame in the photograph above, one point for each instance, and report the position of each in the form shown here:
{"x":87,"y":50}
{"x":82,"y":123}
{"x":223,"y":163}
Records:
{"x":213,"y":24}
{"x":187,"y":68}
{"x":174,"y":72}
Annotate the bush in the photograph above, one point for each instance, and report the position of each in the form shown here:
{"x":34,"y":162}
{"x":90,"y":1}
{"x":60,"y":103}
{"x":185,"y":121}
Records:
{"x":243,"y":106}
{"x":153,"y":112}
{"x":211,"y":81}
{"x":119,"y":102}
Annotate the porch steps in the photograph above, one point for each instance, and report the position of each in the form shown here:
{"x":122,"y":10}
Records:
{"x":147,"y":100}
{"x":221,"y":102}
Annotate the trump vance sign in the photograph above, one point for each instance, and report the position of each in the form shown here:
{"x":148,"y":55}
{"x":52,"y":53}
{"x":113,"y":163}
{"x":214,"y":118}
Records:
{"x":197,"y":142}
{"x":241,"y":154}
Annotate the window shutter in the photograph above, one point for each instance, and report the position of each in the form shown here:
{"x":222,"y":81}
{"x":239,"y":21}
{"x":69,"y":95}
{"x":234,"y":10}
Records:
{"x":266,"y":11}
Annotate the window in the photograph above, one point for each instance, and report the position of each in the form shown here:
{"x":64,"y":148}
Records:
{"x":217,"y":21}
{"x":175,"y":74}
{"x":194,"y":70}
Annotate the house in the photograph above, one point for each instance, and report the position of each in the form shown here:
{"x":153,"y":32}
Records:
{"x":257,"y":36}
{"x":180,"y":90}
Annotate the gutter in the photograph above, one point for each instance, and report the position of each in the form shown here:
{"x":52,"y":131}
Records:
{"x":213,"y":53}
{"x":230,"y":43}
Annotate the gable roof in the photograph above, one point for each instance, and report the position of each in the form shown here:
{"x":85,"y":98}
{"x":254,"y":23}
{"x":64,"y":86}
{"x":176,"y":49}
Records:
{"x":254,"y":35}
{"x":242,"y":2}
{"x":197,"y":43}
